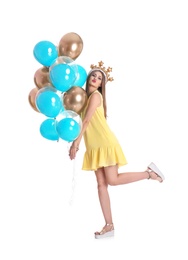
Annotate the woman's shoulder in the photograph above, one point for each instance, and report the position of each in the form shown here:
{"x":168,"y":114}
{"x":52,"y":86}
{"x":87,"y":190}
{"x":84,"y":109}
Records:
{"x":95,"y":93}
{"x":96,"y":97}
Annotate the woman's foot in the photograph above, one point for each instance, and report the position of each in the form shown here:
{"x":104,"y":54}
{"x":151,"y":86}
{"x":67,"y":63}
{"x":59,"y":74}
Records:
{"x":107,"y":231}
{"x":154,"y":173}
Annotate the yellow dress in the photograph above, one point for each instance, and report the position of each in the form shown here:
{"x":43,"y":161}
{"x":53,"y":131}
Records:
{"x":102,"y":146}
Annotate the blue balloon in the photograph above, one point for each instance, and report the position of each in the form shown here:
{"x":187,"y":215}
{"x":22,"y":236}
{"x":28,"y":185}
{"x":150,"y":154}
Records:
{"x":62,"y":76}
{"x":49,"y":102}
{"x":48,"y":129}
{"x":81,"y":76}
{"x":68,"y":129}
{"x":45,"y":52}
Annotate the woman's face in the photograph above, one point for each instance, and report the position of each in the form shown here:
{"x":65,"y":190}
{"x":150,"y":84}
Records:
{"x":95,"y":79}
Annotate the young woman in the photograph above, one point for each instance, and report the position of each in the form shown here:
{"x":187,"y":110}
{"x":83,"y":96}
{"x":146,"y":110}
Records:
{"x":103,"y":153}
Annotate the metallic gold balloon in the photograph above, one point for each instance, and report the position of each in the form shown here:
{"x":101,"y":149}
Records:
{"x":31,"y":98}
{"x":75,"y":99}
{"x":70,"y":45}
{"x":41,"y":77}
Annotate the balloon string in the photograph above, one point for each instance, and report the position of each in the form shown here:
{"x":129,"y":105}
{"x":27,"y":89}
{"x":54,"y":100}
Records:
{"x":73,"y":182}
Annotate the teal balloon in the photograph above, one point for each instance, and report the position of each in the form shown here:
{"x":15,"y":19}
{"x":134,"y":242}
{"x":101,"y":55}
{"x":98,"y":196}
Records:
{"x":81,"y":76}
{"x":62,"y":76}
{"x":68,"y":129}
{"x":49,"y":102}
{"x":48,"y":129}
{"x":45,"y":52}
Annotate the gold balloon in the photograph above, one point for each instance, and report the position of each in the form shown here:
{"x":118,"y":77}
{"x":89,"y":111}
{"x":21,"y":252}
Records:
{"x":70,"y":45}
{"x":75,"y":99}
{"x":31,"y":98}
{"x":41,"y":77}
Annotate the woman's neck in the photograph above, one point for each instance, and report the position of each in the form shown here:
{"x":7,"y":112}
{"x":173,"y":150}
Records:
{"x":91,"y":90}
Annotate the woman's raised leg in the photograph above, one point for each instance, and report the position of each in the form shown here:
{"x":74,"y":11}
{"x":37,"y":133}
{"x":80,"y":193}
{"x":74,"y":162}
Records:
{"x":115,"y":178}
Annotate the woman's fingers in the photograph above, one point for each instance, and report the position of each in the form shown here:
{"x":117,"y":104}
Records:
{"x":72,"y":152}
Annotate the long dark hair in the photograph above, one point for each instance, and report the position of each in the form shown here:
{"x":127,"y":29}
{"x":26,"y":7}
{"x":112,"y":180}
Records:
{"x":101,"y":89}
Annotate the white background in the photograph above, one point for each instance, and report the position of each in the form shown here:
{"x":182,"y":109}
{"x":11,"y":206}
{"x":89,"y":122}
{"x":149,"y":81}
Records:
{"x":146,"y":44}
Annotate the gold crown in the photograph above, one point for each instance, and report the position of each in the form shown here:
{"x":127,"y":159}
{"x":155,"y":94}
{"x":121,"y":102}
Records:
{"x":104,"y":70}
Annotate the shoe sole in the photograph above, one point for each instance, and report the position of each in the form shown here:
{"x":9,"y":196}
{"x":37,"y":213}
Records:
{"x":105,"y":235}
{"x":154,"y":168}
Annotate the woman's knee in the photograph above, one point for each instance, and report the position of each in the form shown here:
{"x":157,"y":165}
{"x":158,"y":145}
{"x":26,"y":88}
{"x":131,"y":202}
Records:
{"x":112,"y":181}
{"x":111,"y":174}
{"x":102,"y":185}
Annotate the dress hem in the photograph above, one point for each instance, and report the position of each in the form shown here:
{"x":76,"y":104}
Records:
{"x":95,"y":169}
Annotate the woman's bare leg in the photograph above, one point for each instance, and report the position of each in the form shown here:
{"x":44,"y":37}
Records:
{"x":109,"y":175}
{"x":104,"y":197}
{"x":115,"y":178}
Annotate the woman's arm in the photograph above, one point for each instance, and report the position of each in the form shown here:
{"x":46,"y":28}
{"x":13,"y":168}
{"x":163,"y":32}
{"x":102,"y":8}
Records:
{"x":94,"y":102}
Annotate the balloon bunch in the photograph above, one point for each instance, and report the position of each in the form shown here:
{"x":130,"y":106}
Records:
{"x":58,"y":92}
